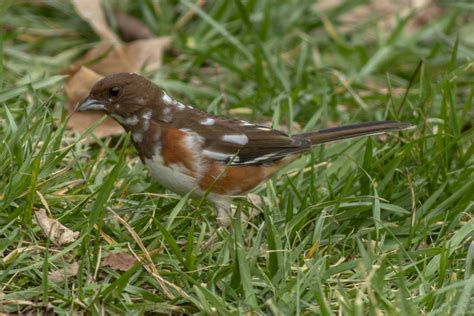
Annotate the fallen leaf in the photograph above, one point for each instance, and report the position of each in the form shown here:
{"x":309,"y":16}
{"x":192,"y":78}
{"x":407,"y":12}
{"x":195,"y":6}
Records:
{"x":92,"y":12}
{"x":130,"y":27}
{"x":62,"y":274}
{"x":79,"y":85}
{"x":119,"y":261}
{"x":54,"y":230}
{"x":137,"y":55}
{"x":148,"y":53}
{"x":77,"y":89}
{"x":108,"y":57}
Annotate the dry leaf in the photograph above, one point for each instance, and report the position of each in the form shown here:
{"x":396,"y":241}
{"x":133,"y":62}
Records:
{"x":108,"y":57}
{"x":119,"y":261}
{"x":54,"y":230}
{"x":77,"y":89}
{"x":92,"y":12}
{"x":130,"y":27}
{"x":79,"y":85}
{"x":137,"y":55}
{"x":61,"y":274}
{"x":148,"y":53}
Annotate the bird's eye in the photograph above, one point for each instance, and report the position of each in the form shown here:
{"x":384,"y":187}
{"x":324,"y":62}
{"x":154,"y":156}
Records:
{"x":114,"y":91}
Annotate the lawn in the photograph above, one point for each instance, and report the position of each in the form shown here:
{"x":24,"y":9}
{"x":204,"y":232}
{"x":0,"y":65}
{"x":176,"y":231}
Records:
{"x":379,"y":225}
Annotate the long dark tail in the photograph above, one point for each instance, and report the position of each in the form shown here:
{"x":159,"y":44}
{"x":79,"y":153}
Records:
{"x":349,"y":131}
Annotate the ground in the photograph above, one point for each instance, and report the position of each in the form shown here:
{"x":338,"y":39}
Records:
{"x":379,"y":225}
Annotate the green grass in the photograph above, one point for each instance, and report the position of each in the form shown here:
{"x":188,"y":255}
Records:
{"x":384,"y":227}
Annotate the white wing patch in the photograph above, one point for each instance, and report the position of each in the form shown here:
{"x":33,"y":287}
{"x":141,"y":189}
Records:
{"x":245,"y":123}
{"x":216,"y":155}
{"x":166,"y":98}
{"x":234,"y":159}
{"x":179,"y":105}
{"x":259,"y":159}
{"x":170,"y":101}
{"x":239,"y":139}
{"x":208,"y":121}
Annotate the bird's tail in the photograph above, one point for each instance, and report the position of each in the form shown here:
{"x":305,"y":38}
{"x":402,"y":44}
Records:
{"x":349,"y":131}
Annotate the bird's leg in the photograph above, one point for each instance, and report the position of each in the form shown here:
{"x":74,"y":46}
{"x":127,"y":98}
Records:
{"x":224,"y":218}
{"x":224,"y":213}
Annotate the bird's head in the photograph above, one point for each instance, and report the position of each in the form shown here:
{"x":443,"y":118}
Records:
{"x":120,"y":95}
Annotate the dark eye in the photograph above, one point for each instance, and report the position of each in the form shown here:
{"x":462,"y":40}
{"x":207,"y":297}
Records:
{"x":114,"y":91}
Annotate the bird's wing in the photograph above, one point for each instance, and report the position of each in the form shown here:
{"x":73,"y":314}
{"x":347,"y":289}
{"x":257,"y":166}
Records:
{"x":239,"y":142}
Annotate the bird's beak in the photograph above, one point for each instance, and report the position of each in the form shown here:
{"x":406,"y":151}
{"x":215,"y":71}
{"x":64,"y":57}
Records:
{"x":90,"y":104}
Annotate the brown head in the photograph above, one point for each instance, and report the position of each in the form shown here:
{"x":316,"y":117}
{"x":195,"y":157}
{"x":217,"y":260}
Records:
{"x":121,"y":95}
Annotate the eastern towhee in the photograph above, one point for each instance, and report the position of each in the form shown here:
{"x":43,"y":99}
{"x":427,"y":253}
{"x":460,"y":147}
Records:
{"x":186,"y":149}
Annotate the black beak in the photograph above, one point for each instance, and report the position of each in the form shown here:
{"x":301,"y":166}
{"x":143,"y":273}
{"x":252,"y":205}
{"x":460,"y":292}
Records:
{"x":90,"y":104}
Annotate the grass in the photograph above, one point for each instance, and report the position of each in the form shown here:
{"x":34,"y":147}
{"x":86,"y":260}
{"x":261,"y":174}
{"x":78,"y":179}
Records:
{"x":382,"y":226}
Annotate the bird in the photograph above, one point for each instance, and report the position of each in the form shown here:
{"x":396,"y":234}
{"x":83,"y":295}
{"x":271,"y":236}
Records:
{"x":191,"y":151}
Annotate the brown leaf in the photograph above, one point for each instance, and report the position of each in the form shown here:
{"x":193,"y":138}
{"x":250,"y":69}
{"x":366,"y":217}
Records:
{"x":130,"y":27}
{"x":54,"y":230}
{"x":147,"y":54}
{"x":77,"y":89}
{"x":91,"y":11}
{"x":61,"y":274}
{"x":119,"y":261}
{"x":108,"y":57}
{"x":79,"y":85}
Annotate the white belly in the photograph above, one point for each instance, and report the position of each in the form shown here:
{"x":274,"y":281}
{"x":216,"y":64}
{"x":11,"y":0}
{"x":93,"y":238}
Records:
{"x":171,"y":177}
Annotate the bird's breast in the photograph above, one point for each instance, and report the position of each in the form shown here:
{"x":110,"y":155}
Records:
{"x":174,"y":176}
{"x":176,"y":161}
